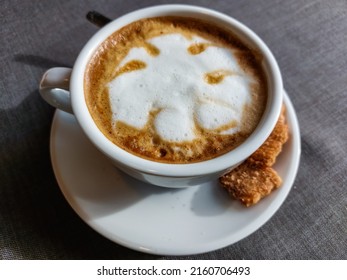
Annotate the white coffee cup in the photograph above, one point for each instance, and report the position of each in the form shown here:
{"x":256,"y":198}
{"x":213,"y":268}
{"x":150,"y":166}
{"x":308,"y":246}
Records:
{"x":63,"y":88}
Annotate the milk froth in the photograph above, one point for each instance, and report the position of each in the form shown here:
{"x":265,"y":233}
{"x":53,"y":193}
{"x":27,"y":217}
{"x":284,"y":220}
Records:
{"x":174,"y":83}
{"x":175,"y":89}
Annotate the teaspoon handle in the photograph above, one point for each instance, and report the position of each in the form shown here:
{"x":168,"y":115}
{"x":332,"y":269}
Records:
{"x":97,"y":18}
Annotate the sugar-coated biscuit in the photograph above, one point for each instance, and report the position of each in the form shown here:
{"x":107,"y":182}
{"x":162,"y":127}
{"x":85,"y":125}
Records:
{"x":255,"y":178}
{"x":249,"y":183}
{"x":267,"y":153}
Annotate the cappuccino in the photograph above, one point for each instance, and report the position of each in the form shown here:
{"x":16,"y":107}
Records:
{"x":175,"y":89}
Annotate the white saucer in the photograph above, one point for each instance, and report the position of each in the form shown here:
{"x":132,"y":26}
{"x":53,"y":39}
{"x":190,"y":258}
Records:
{"x":153,"y":219}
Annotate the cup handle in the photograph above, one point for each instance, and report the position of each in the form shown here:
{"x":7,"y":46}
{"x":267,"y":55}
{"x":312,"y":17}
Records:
{"x":54,"y":88}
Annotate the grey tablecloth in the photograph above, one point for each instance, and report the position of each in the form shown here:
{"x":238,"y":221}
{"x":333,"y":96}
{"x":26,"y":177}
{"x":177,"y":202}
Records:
{"x":309,"y":40}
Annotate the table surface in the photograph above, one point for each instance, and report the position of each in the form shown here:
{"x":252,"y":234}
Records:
{"x":307,"y":37}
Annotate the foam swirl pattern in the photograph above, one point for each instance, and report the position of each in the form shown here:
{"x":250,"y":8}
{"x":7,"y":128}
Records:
{"x":174,"y":83}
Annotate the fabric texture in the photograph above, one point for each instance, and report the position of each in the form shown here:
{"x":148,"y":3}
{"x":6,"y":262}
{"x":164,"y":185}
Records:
{"x":308,"y":38}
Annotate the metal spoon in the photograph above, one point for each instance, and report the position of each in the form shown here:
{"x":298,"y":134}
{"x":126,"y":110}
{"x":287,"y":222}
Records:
{"x":97,"y":18}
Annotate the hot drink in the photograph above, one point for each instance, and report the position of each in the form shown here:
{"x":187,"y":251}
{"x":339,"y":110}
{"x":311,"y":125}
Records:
{"x":175,"y":89}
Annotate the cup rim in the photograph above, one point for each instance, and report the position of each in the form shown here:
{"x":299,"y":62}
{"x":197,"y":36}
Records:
{"x":214,"y":165}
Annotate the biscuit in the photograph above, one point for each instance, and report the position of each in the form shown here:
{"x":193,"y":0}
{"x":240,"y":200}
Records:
{"x":248,"y":183}
{"x":255,"y":178}
{"x":267,"y":153}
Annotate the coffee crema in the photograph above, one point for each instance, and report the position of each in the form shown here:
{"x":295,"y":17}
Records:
{"x":175,"y":89}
